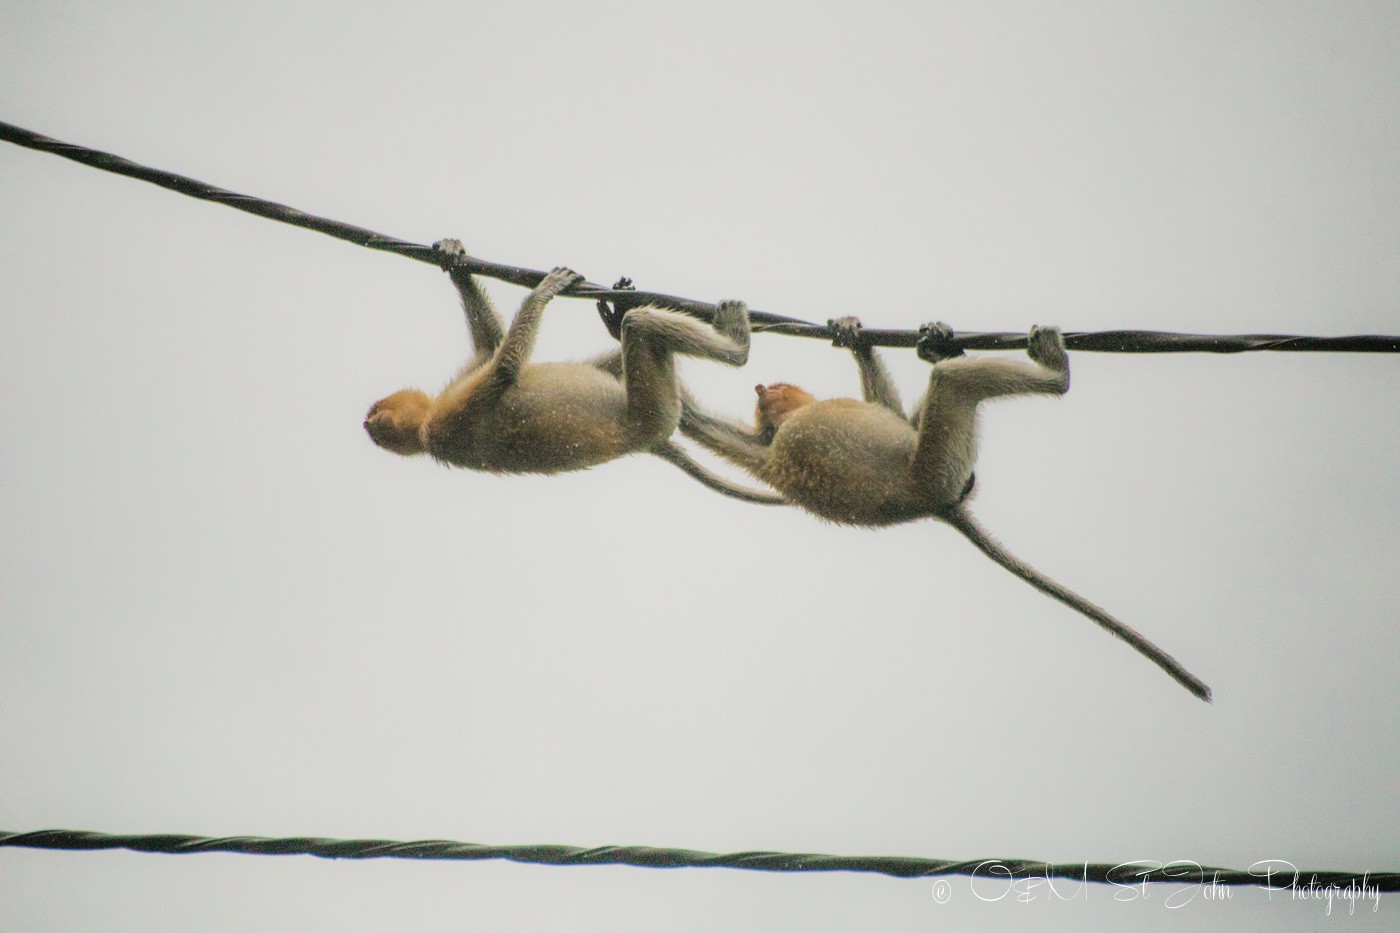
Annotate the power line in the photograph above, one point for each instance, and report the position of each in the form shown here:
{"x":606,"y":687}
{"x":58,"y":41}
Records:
{"x":1116,"y":341}
{"x":1268,"y":875}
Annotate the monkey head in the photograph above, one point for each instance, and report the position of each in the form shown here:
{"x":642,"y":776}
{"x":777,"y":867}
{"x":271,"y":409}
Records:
{"x":394,"y":422}
{"x":777,"y":401}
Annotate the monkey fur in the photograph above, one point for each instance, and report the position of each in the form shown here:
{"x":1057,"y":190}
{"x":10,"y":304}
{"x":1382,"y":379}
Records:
{"x":867,"y":463}
{"x":504,"y":413}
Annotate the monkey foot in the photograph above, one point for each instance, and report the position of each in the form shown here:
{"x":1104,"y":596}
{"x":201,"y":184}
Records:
{"x":1046,"y":345}
{"x":559,"y":279}
{"x":844,"y":331}
{"x":936,"y":343}
{"x":450,"y":253}
{"x":612,"y":314}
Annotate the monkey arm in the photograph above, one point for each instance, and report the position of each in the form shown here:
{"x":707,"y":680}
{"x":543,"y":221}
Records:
{"x":875,"y":383}
{"x":482,"y":320}
{"x":519,"y":341}
{"x":734,"y":442}
{"x":672,"y":453}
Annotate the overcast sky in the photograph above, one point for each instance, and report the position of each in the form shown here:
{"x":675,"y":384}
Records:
{"x":224,"y":612}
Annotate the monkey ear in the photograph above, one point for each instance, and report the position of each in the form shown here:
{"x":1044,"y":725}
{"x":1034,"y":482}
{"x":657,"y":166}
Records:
{"x":758,"y":390}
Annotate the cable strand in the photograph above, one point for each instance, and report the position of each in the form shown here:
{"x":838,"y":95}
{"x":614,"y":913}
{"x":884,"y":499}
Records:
{"x":1116,"y":341}
{"x":1128,"y":873}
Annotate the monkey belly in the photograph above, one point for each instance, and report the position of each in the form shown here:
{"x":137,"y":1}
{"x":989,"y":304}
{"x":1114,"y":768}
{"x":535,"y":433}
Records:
{"x":557,"y":417}
{"x":846,"y":461}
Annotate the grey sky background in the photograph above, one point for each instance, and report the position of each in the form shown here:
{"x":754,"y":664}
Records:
{"x":224,"y":612}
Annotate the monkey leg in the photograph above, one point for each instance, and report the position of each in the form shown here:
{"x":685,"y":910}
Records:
{"x":649,"y":375}
{"x":609,"y":362}
{"x":651,"y":337}
{"x":978,"y":379}
{"x":947,"y":446}
{"x":946,"y":449}
{"x":726,"y":340}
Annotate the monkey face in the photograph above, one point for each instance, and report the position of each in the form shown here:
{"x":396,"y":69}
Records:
{"x":394,"y":422}
{"x":777,"y":401}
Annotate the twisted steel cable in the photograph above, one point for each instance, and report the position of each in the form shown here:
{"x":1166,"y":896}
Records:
{"x":1268,"y":875}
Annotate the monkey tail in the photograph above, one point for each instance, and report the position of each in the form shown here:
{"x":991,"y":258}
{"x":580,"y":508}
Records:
{"x":963,"y":521}
{"x":673,"y":453}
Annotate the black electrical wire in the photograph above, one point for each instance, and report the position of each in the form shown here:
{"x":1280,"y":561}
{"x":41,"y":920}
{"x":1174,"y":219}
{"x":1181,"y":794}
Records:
{"x":1115,"y":341}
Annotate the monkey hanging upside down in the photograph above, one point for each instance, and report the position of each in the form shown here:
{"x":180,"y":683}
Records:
{"x":866,"y":463}
{"x":505,"y":414}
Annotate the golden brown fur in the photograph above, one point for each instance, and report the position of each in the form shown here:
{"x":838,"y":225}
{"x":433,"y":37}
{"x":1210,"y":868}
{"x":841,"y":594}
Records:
{"x":504,"y":413}
{"x":866,"y":463}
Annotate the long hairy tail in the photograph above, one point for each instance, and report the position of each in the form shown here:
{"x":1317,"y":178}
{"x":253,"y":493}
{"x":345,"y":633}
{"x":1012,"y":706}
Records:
{"x":963,"y":521}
